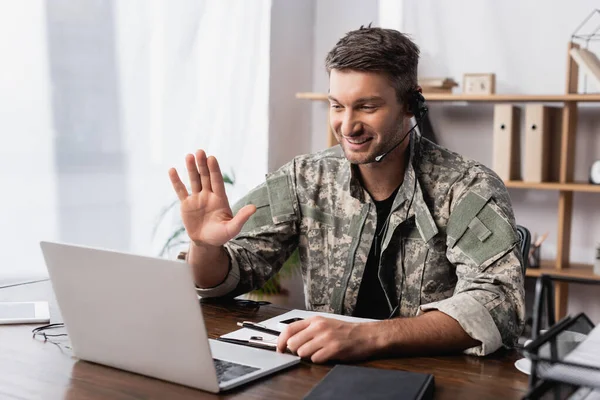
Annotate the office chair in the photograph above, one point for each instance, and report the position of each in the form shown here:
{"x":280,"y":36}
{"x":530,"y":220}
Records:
{"x":525,"y":244}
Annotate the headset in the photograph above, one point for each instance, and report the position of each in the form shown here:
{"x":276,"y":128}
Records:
{"x":415,"y":105}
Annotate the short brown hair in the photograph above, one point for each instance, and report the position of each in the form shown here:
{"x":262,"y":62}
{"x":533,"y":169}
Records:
{"x":378,"y":50}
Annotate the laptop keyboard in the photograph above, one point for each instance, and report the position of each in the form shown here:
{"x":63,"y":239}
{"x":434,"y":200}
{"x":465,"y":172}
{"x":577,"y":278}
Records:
{"x":227,"y":371}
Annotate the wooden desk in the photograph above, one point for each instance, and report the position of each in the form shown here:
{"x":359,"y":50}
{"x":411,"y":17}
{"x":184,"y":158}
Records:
{"x":32,"y":369}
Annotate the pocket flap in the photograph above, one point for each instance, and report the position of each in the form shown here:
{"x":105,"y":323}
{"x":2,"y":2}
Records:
{"x":462,"y":216}
{"x":280,"y":199}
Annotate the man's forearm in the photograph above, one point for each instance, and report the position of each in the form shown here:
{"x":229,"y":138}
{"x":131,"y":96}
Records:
{"x":210,"y":265}
{"x":432,"y":332}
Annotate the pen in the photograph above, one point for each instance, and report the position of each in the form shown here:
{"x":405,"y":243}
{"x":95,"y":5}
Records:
{"x":251,"y":343}
{"x":259,"y":328}
{"x":254,"y":343}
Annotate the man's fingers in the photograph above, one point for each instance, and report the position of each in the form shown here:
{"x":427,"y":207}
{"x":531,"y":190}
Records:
{"x":305,"y":342}
{"x":203,"y":170}
{"x":190,"y":164}
{"x":216,"y":178}
{"x":290,"y":331}
{"x":178,"y":186}
{"x":237,"y":222}
{"x":322,"y":355}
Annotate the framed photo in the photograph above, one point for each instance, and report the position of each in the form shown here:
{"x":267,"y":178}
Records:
{"x":479,"y":83}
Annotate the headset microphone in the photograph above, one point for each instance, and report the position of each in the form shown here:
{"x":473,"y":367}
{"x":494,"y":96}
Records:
{"x":380,"y":157}
{"x":416,"y":105}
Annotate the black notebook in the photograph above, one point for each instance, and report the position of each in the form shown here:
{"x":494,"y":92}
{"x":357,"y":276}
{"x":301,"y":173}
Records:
{"x":350,"y":382}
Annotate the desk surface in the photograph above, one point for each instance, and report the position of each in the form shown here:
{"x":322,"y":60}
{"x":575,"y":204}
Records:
{"x":32,"y":369}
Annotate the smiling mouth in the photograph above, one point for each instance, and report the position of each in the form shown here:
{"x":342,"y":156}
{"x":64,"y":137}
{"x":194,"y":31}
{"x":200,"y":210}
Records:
{"x":357,"y":141}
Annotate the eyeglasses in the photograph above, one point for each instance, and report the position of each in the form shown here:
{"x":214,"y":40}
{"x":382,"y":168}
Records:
{"x":41,"y":331}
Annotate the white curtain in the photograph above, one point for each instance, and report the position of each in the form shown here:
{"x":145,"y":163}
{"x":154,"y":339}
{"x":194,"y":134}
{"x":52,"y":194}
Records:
{"x":100,"y":98}
{"x":194,"y":74}
{"x":27,"y":184}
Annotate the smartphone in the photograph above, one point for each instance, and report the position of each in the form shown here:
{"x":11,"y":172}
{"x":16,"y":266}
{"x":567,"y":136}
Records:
{"x":289,"y":321}
{"x":24,"y":312}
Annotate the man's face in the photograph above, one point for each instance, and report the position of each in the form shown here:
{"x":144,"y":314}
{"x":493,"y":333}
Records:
{"x":364,"y":114}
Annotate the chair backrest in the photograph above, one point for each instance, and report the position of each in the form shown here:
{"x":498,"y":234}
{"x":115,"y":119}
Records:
{"x":525,"y":244}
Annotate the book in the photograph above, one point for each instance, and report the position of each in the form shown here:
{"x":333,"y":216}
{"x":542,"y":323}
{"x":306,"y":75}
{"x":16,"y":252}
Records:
{"x":353,"y":382}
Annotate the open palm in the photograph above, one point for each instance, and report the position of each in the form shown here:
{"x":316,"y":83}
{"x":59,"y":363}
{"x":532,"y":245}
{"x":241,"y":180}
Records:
{"x":205,"y":212}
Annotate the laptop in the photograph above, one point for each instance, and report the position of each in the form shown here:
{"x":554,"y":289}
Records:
{"x":142,"y":314}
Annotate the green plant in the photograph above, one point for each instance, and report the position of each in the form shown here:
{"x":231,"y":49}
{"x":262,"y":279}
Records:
{"x":179,"y":237}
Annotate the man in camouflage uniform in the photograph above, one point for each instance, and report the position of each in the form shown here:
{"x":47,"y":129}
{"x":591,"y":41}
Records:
{"x":403,"y":231}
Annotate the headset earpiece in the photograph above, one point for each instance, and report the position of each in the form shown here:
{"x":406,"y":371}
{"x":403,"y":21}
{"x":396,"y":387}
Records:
{"x":416,"y":105}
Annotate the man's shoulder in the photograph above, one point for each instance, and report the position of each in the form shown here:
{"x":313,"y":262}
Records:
{"x":323,"y":160}
{"x":450,"y":166}
{"x":328,"y":161}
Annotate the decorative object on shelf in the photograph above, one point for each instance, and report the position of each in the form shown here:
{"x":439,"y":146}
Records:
{"x":597,"y":260}
{"x":586,"y":59}
{"x":479,"y":83}
{"x":588,"y":63}
{"x":437,"y":85}
{"x":595,"y":173}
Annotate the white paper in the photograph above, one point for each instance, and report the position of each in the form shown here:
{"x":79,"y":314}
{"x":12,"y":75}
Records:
{"x":275,"y":324}
{"x":585,"y":394}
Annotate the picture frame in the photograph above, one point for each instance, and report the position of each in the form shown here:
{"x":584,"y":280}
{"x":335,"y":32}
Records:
{"x":479,"y":83}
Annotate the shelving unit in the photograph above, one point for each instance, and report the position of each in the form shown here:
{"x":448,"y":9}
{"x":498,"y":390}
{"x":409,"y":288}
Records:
{"x":565,"y":186}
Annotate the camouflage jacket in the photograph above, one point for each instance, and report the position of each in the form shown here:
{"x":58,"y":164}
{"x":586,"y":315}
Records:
{"x":450,"y":243}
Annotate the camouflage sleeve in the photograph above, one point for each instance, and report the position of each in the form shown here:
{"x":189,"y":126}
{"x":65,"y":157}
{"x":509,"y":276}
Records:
{"x":268,"y":238}
{"x":482,"y":242}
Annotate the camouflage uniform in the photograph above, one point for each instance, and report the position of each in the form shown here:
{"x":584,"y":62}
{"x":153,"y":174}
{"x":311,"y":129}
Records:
{"x":450,"y":243}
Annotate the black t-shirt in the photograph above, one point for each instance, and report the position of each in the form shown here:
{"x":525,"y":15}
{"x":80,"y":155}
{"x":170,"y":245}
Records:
{"x":371,"y":302}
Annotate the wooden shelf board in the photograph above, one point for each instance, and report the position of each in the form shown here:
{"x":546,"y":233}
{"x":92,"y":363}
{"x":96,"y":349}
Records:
{"x":492,"y":98}
{"x":311,"y":96}
{"x":517,"y":98}
{"x":584,"y":271}
{"x":570,"y":187}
